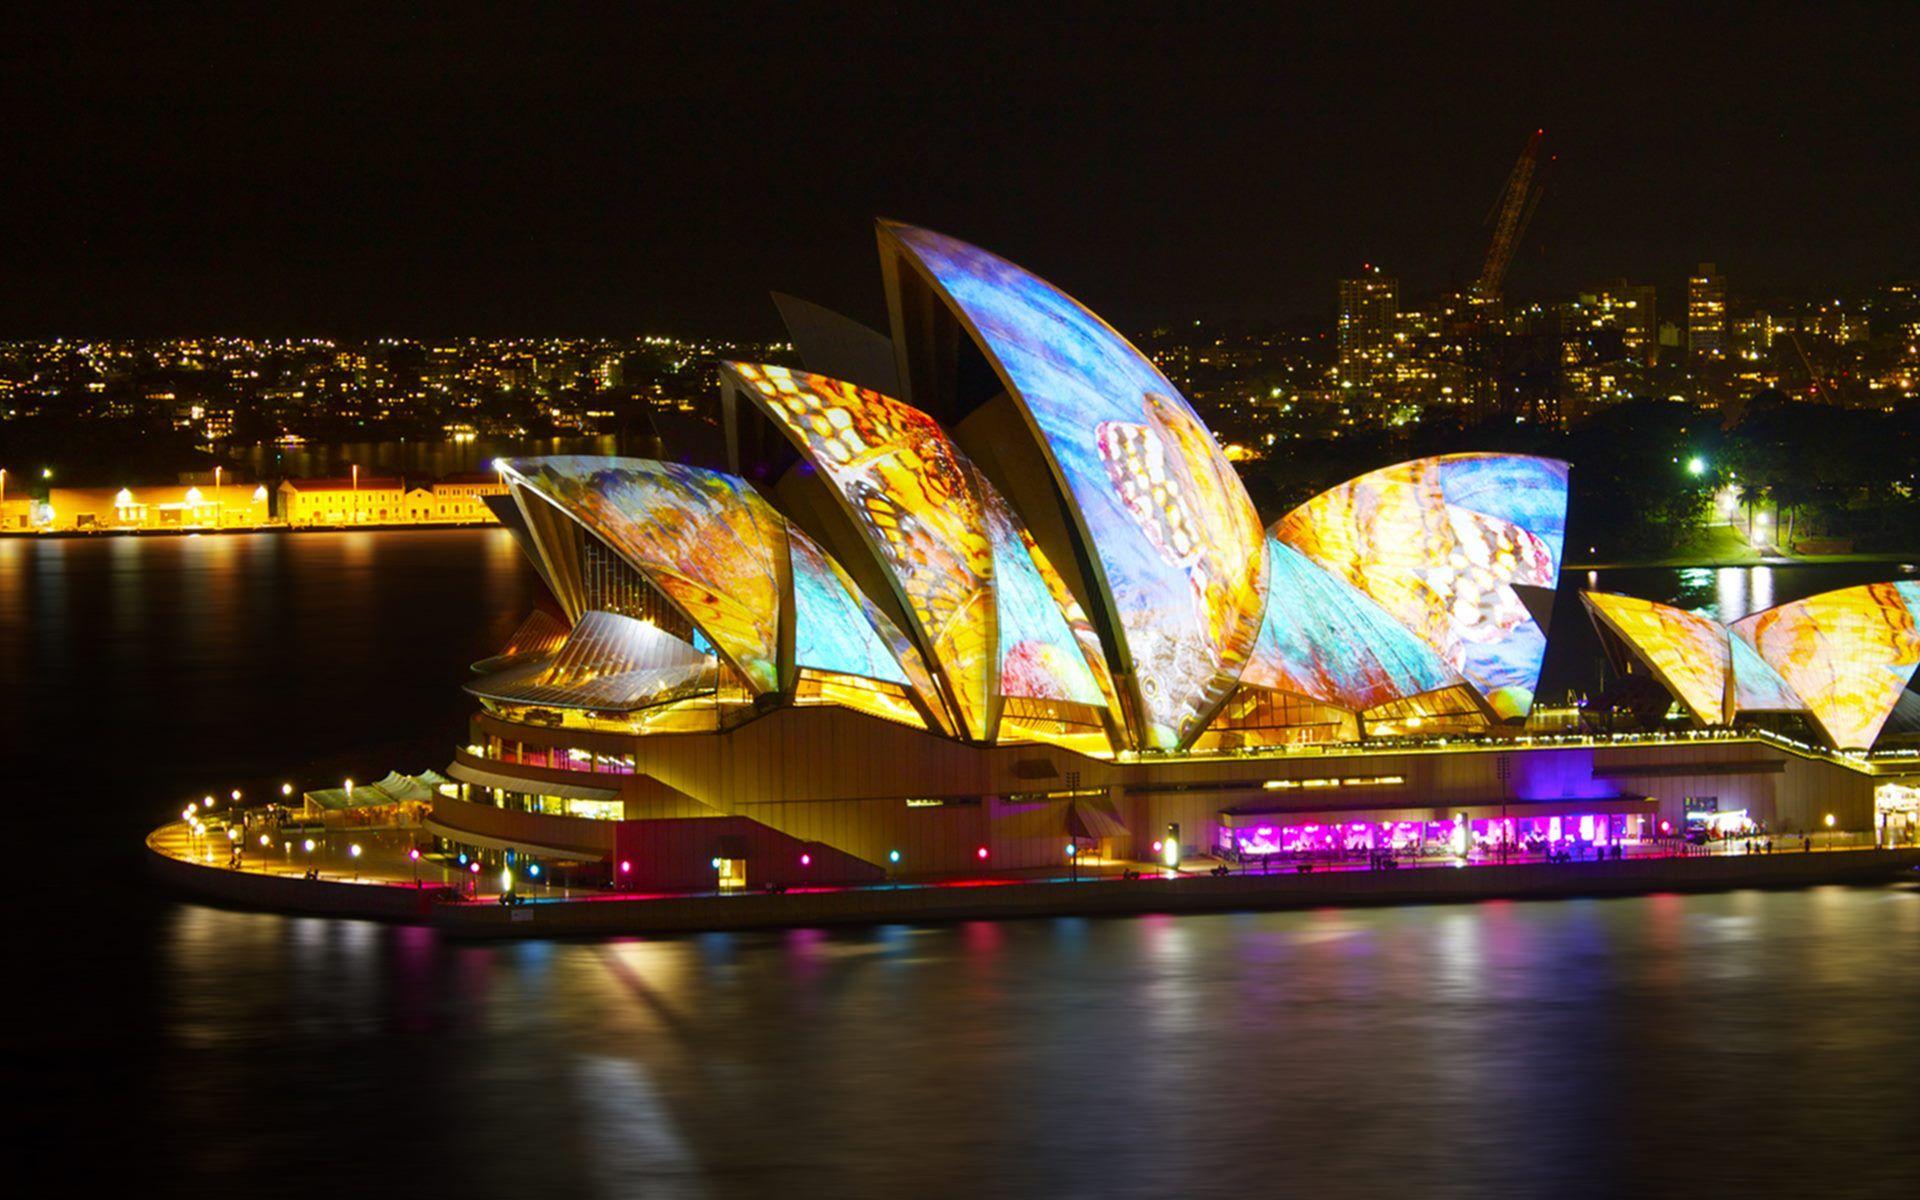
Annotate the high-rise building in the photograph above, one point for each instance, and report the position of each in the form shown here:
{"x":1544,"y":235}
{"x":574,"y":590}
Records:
{"x":1626,"y":307}
{"x":1707,"y":313}
{"x":1369,"y":308}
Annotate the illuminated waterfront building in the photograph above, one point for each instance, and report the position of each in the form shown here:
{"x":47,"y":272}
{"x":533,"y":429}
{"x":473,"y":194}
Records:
{"x":367,"y":499}
{"x":176,"y":506}
{"x":958,"y":608}
{"x":345,"y":500}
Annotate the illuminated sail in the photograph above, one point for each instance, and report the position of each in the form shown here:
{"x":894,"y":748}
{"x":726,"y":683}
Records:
{"x":1689,"y":654}
{"x":1846,"y":654}
{"x":832,"y":629}
{"x":1040,"y":659}
{"x":1175,"y":546}
{"x":944,"y":538}
{"x":1325,"y":640}
{"x":1444,"y":545}
{"x":707,"y":540}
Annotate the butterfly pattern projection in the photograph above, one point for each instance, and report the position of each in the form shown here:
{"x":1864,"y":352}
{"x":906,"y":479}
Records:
{"x":906,"y":658}
{"x":1325,"y":640}
{"x":1441,"y":544}
{"x":831,"y":630}
{"x":1040,"y":658}
{"x":1168,"y":477}
{"x":1690,"y":654}
{"x":1078,"y":625}
{"x":1847,"y":654}
{"x":1178,"y":561}
{"x":707,"y":540}
{"x":911,"y":495}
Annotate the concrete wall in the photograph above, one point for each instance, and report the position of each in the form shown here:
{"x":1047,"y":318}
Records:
{"x":677,"y":855}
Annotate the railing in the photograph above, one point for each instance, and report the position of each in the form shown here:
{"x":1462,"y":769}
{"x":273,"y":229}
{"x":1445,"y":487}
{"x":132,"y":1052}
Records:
{"x":1882,"y":762}
{"x":561,"y":760}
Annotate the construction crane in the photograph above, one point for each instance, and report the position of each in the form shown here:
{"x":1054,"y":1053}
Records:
{"x":1509,"y":217}
{"x":1820,"y":387}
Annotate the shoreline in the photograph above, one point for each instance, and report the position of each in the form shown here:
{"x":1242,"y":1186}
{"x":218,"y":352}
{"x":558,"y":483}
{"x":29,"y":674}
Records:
{"x":197,"y":531}
{"x":1668,"y":563}
{"x":612,"y":915}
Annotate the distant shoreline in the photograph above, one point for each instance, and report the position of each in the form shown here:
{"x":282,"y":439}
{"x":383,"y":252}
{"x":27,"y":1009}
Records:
{"x":1680,"y":562}
{"x":193,"y":531}
{"x":1798,"y":560}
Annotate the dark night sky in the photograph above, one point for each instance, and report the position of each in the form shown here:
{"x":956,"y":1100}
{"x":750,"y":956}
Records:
{"x":618,"y":170}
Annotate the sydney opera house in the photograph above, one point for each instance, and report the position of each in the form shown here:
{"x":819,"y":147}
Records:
{"x":982,"y":595}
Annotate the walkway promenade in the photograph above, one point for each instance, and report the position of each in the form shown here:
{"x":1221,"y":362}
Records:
{"x":379,"y":882}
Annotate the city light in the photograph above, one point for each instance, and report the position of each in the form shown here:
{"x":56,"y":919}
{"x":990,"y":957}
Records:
{"x":1696,"y":466}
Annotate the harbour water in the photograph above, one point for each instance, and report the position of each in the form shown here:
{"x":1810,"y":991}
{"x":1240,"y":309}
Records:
{"x":1746,"y":1043}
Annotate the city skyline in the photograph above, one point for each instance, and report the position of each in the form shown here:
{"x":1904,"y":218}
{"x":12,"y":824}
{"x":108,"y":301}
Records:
{"x":552,"y":172}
